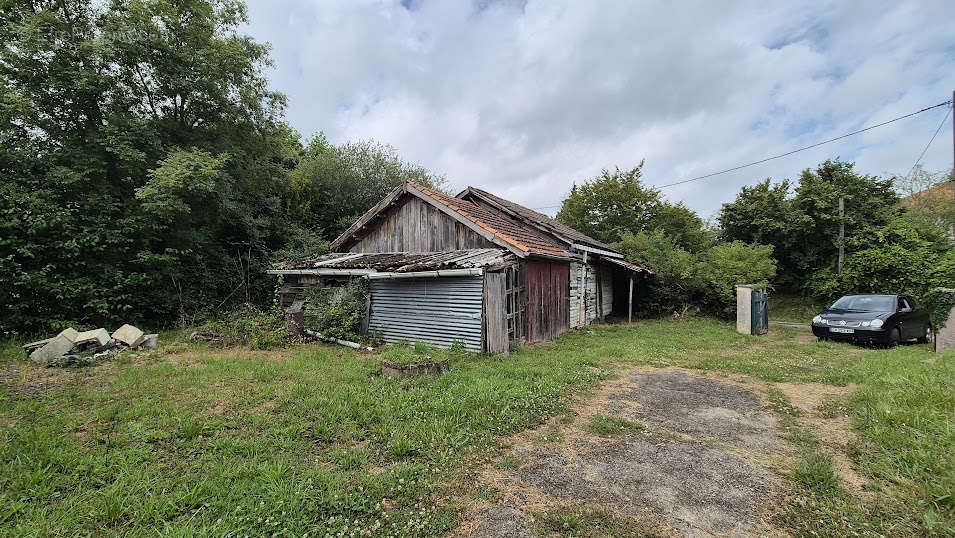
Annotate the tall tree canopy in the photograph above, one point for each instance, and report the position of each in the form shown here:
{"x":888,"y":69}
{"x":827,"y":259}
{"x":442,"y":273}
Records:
{"x":616,"y":203}
{"x":143,"y":157}
{"x":802,"y":225}
{"x":334,"y":185}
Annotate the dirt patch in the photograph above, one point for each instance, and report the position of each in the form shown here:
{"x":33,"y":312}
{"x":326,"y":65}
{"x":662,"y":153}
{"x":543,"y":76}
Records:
{"x":696,"y":406}
{"x":31,"y":381}
{"x":710,"y":459}
{"x":697,"y":469}
{"x":700,"y":490}
{"x":500,"y":522}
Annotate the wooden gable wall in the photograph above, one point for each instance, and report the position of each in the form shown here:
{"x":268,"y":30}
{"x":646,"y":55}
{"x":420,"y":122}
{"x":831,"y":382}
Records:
{"x":417,"y":226}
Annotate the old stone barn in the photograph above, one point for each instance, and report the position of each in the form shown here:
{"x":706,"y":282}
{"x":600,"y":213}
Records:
{"x":473,"y":268}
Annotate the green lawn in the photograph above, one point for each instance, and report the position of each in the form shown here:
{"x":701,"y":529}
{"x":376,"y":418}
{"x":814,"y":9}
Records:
{"x":309,"y":439}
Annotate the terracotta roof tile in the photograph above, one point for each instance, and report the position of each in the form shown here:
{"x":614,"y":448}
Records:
{"x":517,"y":234}
{"x":541,"y":220}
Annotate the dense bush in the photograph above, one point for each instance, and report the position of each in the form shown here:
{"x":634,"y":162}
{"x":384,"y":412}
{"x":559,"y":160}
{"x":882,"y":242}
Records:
{"x":801,"y":220}
{"x":686,"y":280}
{"x":902,"y":258}
{"x":248,"y":325}
{"x":724,"y":266}
{"x":337,"y":311}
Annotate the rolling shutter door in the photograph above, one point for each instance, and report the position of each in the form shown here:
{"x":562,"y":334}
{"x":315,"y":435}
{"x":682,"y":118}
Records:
{"x":434,"y":310}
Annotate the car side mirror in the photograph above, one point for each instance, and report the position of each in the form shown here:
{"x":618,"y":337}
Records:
{"x":905,"y":309}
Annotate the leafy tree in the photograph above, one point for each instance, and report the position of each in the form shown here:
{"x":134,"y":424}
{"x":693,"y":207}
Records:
{"x":763,"y":214}
{"x":144,"y":161}
{"x":611,"y":204}
{"x":802,"y":224}
{"x":899,"y":258}
{"x":870,"y":204}
{"x":616,"y":203}
{"x":930,"y":198}
{"x":332,"y":186}
{"x":682,"y":224}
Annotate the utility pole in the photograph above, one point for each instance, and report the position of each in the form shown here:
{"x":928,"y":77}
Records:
{"x":842,"y":231}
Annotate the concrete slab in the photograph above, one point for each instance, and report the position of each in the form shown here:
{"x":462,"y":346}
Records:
{"x":54,"y":349}
{"x":150,"y":341}
{"x":129,"y":335}
{"x":70,"y":333}
{"x":97,"y":337}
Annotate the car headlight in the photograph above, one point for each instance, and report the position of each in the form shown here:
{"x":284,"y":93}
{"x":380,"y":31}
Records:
{"x":876,"y":323}
{"x":818,"y":320}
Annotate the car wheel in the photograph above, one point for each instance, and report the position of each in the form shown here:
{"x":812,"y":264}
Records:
{"x":822,"y":338}
{"x":928,"y":337}
{"x":894,"y":337}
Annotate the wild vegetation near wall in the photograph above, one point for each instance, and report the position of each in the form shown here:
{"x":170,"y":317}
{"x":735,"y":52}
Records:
{"x":694,"y":269}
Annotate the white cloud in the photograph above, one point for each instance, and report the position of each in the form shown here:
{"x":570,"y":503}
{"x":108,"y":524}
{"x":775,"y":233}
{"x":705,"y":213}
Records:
{"x":523,"y":99}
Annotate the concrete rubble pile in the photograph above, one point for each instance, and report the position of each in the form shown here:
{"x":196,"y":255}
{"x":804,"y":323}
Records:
{"x":72,"y":348}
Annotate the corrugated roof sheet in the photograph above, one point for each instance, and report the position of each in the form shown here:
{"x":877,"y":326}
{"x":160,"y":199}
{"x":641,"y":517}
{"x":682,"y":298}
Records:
{"x":404,"y":262}
{"x":515,"y":233}
{"x":629,"y":266}
{"x":541,"y":220}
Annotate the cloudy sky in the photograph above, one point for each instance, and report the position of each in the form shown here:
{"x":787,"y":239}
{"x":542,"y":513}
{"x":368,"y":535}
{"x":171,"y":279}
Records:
{"x":524,"y":98}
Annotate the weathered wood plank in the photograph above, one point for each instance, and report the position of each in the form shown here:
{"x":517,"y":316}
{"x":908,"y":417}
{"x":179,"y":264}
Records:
{"x":495,"y":322}
{"x":416,"y":226}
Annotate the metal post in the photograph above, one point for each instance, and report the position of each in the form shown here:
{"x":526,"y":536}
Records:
{"x":842,"y":231}
{"x":630,"y":303}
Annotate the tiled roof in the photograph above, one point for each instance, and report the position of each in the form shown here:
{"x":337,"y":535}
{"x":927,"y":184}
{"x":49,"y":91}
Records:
{"x":518,"y":234}
{"x":403,"y":262}
{"x":539,"y":219}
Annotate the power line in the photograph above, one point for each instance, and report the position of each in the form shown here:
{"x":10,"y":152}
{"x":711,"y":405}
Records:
{"x":797,"y":150}
{"x":917,"y":161}
{"x":804,"y":148}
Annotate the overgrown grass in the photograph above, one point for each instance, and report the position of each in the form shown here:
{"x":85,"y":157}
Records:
{"x":793,"y":308}
{"x":308,"y":439}
{"x":608,"y":426}
{"x":589,"y":522}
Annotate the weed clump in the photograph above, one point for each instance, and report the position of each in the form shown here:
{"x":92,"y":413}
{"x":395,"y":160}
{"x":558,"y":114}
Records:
{"x":608,"y":426}
{"x":247,"y":325}
{"x":338,"y":311}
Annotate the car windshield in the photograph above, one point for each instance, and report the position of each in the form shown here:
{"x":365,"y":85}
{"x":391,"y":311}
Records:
{"x":865,"y":303}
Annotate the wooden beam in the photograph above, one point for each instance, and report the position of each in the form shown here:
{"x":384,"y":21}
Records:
{"x":630,"y":303}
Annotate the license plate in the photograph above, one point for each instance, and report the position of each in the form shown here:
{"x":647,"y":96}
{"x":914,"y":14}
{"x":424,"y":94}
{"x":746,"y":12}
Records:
{"x":841,"y":330}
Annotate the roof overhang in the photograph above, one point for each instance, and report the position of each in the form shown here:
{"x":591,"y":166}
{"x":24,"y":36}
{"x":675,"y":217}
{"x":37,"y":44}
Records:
{"x":592,"y":250}
{"x":371,"y":274}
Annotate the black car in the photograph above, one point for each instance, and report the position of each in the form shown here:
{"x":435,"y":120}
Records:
{"x":877,"y":319}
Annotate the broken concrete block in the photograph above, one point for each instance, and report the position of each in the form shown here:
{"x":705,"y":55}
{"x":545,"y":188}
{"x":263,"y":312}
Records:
{"x":69,"y":332}
{"x":129,"y":335}
{"x":96,"y":337}
{"x":295,"y":319}
{"x":150,"y":341}
{"x":54,"y":349}
{"x":33,"y":346}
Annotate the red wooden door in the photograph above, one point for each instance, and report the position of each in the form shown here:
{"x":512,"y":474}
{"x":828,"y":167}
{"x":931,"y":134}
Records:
{"x":547,"y":285}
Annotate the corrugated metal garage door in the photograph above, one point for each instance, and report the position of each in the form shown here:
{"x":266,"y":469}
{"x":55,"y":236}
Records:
{"x":435,"y":310}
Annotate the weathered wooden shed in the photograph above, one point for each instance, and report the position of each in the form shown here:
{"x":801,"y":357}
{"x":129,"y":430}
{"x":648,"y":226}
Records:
{"x":473,"y":268}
